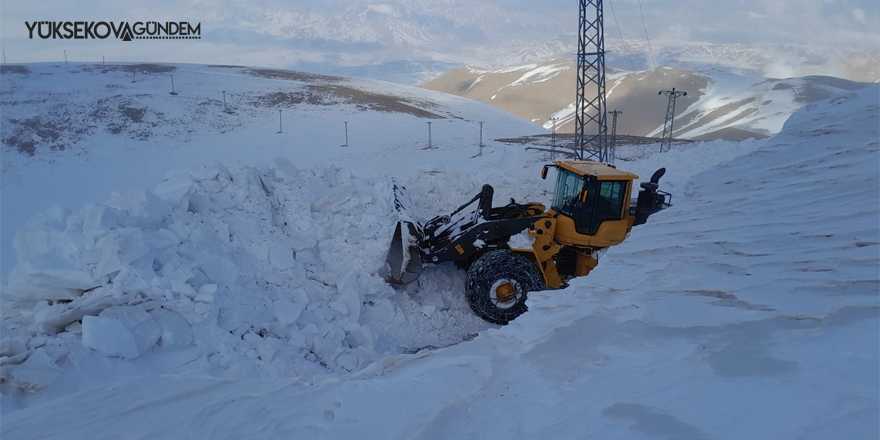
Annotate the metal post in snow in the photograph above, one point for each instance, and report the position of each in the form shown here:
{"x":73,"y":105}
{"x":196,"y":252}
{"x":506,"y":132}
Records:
{"x":224,"y":100}
{"x":280,"y":126}
{"x":481,"y":138}
{"x":172,"y":85}
{"x":4,"y":56}
{"x":429,"y":134}
{"x":65,"y":57}
{"x":553,"y":139}
{"x":346,"y":132}
{"x":102,"y":63}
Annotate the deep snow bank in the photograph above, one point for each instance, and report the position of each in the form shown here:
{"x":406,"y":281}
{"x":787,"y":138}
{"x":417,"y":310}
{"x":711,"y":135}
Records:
{"x":271,"y":271}
{"x":247,"y":272}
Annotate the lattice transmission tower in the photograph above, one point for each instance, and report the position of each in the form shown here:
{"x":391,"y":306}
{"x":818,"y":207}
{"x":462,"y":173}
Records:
{"x":590,"y":99}
{"x":666,"y":141}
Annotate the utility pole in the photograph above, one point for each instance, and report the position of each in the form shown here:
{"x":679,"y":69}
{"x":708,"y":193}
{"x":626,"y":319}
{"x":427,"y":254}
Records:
{"x":590,"y":99}
{"x":666,"y":141}
{"x":553,"y":139}
{"x":429,"y":134}
{"x":613,"y":149}
{"x":346,"y":133}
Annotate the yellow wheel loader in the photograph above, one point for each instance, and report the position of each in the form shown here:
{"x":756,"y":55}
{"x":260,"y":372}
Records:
{"x":590,"y":211}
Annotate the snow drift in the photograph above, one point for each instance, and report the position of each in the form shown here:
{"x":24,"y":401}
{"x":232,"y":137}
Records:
{"x":270,"y":271}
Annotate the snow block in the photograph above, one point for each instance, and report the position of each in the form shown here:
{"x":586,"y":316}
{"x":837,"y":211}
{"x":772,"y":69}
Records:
{"x":285,"y":167}
{"x":109,"y":337}
{"x":119,"y":249}
{"x":36,"y":373}
{"x":259,"y":249}
{"x":11,"y":347}
{"x":176,"y":332}
{"x":299,"y":296}
{"x":300,"y":243}
{"x":308,"y":257}
{"x":175,"y":189}
{"x":56,"y":217}
{"x":335,"y":198}
{"x":48,"y":276}
{"x":182,"y":288}
{"x":287,"y":312}
{"x":98,"y":217}
{"x":350,"y":296}
{"x":219,"y":270}
{"x":209,"y":172}
{"x":145,"y":331}
{"x":347,"y":361}
{"x":280,"y":256}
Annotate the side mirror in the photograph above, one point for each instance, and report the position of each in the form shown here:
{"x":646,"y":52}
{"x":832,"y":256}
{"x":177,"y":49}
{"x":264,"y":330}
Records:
{"x":582,"y":197}
{"x":544,"y":172}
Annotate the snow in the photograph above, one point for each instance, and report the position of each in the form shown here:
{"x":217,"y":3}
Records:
{"x":109,"y":337}
{"x":246,"y":300}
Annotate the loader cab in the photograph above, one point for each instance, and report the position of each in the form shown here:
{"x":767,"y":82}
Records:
{"x":591,"y":203}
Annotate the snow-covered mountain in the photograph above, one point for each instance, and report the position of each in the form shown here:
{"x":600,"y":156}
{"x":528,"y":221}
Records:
{"x":415,"y":40}
{"x":719,"y":105}
{"x":767,"y":60}
{"x":246,"y":300}
{"x":770,"y":60}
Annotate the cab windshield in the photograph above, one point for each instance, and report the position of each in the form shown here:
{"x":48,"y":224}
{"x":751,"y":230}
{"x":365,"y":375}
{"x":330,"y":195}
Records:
{"x":568,"y":185}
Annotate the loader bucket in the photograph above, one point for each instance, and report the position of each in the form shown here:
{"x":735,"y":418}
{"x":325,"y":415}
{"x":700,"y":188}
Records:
{"x":404,"y":262}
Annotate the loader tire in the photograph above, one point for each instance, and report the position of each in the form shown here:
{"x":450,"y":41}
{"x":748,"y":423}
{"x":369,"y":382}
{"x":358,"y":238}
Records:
{"x":498,"y":283}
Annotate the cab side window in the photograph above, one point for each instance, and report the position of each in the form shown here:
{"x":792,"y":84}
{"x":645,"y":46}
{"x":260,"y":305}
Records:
{"x":609,"y":205}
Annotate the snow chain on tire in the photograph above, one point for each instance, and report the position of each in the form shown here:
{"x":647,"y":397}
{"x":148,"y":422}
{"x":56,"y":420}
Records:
{"x":497,"y":285}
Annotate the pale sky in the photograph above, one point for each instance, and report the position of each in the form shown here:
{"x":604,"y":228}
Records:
{"x":281,"y":33}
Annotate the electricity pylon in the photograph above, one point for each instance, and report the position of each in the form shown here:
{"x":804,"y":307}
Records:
{"x":613,"y":148}
{"x":590,"y":99}
{"x":666,"y":141}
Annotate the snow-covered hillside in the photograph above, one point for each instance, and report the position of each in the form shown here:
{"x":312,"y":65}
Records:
{"x":92,"y":130}
{"x":719,"y":105}
{"x":247,"y":300}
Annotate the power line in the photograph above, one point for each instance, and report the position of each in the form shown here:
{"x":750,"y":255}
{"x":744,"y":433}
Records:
{"x":621,"y":36}
{"x":648,"y":39}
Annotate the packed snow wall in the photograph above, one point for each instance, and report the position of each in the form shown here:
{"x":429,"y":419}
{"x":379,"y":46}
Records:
{"x":233,"y":272}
